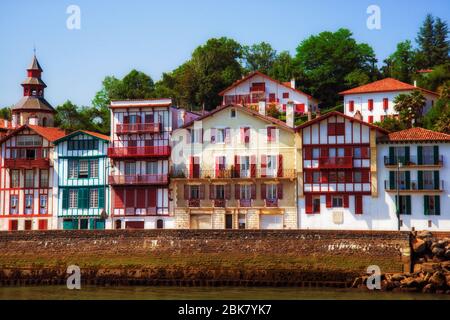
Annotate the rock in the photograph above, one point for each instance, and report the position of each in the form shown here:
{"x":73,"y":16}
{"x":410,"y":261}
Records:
{"x":438,"y":251}
{"x":397,"y":277}
{"x":429,"y":288}
{"x":447,"y":254}
{"x":424,"y":234}
{"x":430,"y":267}
{"x":438,"y":279}
{"x":448,"y":280}
{"x":417,"y":267}
{"x":419,"y":245}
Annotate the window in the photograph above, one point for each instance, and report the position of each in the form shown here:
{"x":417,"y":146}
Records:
{"x":431,"y":205}
{"x":83,"y":169}
{"x":271,"y":134}
{"x":94,"y":169}
{"x":271,"y":166}
{"x":336,"y":129}
{"x":351,"y":106}
{"x":130,"y":168}
{"x":316,"y":177}
{"x":271,"y":191}
{"x":316,"y":153}
{"x":404,"y":204}
{"x":29,"y":178}
{"x":219,"y":191}
{"x":336,"y":152}
{"x":28,"y":203}
{"x":43,"y":204}
{"x":233,"y":113}
{"x":194,"y":192}
{"x":13,"y":204}
{"x":43,"y":178}
{"x":93,"y":198}
{"x":73,"y":198}
{"x":428,"y":155}
{"x":357,"y":177}
{"x":25,"y":141}
{"x":245,"y":135}
{"x":357,"y":153}
{"x":241,"y":218}
{"x":245,"y":192}
{"x":73,"y":169}
{"x":285,"y":95}
{"x":428,"y":180}
{"x":337,"y":201}
{"x":370,"y":104}
{"x":220,"y":135}
{"x":151,"y":167}
{"x":14,"y":176}
{"x":87,"y":144}
{"x":316,"y":204}
{"x":245,"y":167}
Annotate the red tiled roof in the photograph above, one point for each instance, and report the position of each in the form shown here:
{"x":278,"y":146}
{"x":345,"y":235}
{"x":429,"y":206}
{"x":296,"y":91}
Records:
{"x":255,"y":73}
{"x":51,"y":134}
{"x":385,"y":85}
{"x":96,"y":134}
{"x":416,"y":134}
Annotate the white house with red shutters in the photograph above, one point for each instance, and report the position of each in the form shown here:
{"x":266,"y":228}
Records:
{"x":337,"y":175}
{"x":375,"y":101}
{"x":260,"y":91}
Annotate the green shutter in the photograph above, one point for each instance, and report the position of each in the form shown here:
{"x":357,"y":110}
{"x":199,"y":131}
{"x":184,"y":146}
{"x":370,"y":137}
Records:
{"x":100,"y":224}
{"x":406,"y":155}
{"x":397,"y":204}
{"x":426,"y":205}
{"x":437,"y":204}
{"x":92,"y":224}
{"x":391,"y":180}
{"x":101,"y":198}
{"x":83,"y":198}
{"x":408,"y":205}
{"x":391,"y":156}
{"x":420,"y":179}
{"x":65,"y":198}
{"x":436,"y":154}
{"x":75,"y":224}
{"x":408,"y":180}
{"x":419,"y":155}
{"x":436,"y":180}
{"x":67,"y":225}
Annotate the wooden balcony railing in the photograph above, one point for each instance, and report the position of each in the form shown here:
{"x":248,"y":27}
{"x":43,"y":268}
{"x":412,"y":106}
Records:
{"x":335,"y":162}
{"x":413,"y":160}
{"x":245,"y":203}
{"x":127,"y":128}
{"x":233,"y":174}
{"x":138,"y":179}
{"x":139,"y":152}
{"x":414,"y":186}
{"x":219,"y":203}
{"x":27,"y":163}
{"x":194,"y":203}
{"x":271,"y":203}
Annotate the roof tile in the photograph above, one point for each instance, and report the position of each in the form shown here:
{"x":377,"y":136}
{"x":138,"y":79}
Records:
{"x":416,"y":134}
{"x":384,"y":85}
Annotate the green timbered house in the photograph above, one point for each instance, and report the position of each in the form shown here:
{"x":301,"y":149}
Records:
{"x":82,"y":173}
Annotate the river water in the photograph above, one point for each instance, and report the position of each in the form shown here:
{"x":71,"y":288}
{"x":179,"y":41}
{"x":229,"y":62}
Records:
{"x":201,"y":293}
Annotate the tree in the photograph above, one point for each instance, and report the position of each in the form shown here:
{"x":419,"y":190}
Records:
{"x":282,"y":67}
{"x":401,"y":65}
{"x":410,"y":108}
{"x":70,"y":117}
{"x":435,"y":79}
{"x":324,"y":61}
{"x":391,"y":124}
{"x":5,"y":113}
{"x":441,"y":43}
{"x":135,"y":85}
{"x":438,"y":118}
{"x":259,"y":57}
{"x":425,"y":40}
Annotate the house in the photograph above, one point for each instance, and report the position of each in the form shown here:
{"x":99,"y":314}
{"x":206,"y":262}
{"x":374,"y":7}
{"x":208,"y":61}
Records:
{"x":415,"y":176}
{"x":82,"y":169}
{"x":375,"y":101}
{"x":234,"y":168}
{"x":259,"y":92}
{"x":337,"y":174}
{"x":140,"y":152}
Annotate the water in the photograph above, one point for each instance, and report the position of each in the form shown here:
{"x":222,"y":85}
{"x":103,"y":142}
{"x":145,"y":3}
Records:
{"x":201,"y":293}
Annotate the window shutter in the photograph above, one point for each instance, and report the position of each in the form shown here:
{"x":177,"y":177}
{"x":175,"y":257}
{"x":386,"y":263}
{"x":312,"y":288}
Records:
{"x":329,"y":203}
{"x":385,"y":103}
{"x":253,"y":166}
{"x":406,"y":155}
{"x":242,"y":135}
{"x":392,"y":181}
{"x":324,"y":152}
{"x":228,"y":191}
{"x":370,"y":119}
{"x":201,"y":135}
{"x":280,"y":191}
{"x":436,"y":154}
{"x":213,"y":135}
{"x":191,"y":167}
{"x":237,"y":191}
{"x":65,"y":198}
{"x":263,"y":191}
{"x":331,"y":129}
{"x":308,"y":177}
{"x":186,"y":192}
{"x":280,"y":166}
{"x":370,"y":102}
{"x":227,"y":136}
{"x":426,"y":205}
{"x":119,"y":195}
{"x":324,"y":177}
{"x":253,"y":191}
{"x":349,"y":177}
{"x":202,"y":192}
{"x":420,"y":179}
{"x":348,"y":152}
{"x":83,"y":198}
{"x":419,"y":155}
{"x":391,"y":155}
{"x":437,"y":205}
{"x":217,"y":167}
{"x":141,"y":197}
{"x":351,"y":105}
{"x":308,"y":153}
{"x":212,"y":194}
{"x":436,"y":180}
{"x":408,"y":180}
{"x":308,"y":204}
{"x":408,"y":205}
{"x":358,"y":204}
{"x":101,"y":197}
{"x":263,"y":166}
{"x":152,"y":197}
{"x":237,"y":166}
{"x":247,"y":135}
{"x":346,"y":201}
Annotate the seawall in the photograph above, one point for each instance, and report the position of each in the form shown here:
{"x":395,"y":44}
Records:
{"x":200,"y":257}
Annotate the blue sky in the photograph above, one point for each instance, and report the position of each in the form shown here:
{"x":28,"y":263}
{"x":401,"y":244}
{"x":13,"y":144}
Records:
{"x":157,"y":36}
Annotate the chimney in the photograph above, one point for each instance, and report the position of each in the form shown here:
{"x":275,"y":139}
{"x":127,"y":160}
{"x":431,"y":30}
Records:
{"x":293,"y":83}
{"x":262,"y":108}
{"x":290,"y":114}
{"x":309,"y":115}
{"x":358,"y":115}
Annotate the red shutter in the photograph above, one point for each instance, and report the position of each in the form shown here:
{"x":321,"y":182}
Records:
{"x":365,"y":176}
{"x":348,"y":151}
{"x":191,"y":167}
{"x":126,"y":119}
{"x":308,"y":153}
{"x":129,"y":198}
{"x":280,"y":165}
{"x":308,"y":177}
{"x":253,"y":191}
{"x":364,"y":152}
{"x":213,"y":135}
{"x":308,"y":204}
{"x":237,"y":166}
{"x":331,"y":129}
{"x":212,"y":194}
{"x":263,"y":166}
{"x":345,"y":200}
{"x":358,"y":204}
{"x":370,"y":119}
{"x":385,"y":103}
{"x":280,"y":191}
{"x":329,"y":203}
{"x":370,"y":102}
{"x":247,"y":135}
{"x":253,"y":166}
{"x":237,"y":191}
{"x":324,"y":152}
{"x":228,"y":191}
{"x":351,"y":105}
{"x":324,"y":177}
{"x":141,"y":198}
{"x":152,"y":197}
{"x":300,"y":108}
{"x":242,"y":135}
{"x":263,"y":191}
{"x":202,"y":191}
{"x":186,"y":192}
{"x":348,"y":177}
{"x":119,"y":198}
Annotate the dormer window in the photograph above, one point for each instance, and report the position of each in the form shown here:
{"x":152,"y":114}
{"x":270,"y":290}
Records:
{"x":33,"y":93}
{"x":233,"y":113}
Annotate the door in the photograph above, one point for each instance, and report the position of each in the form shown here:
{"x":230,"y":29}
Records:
{"x":228,"y":221}
{"x":118,"y":224}
{"x":28,"y":224}
{"x":99,"y":224}
{"x":67,"y":224}
{"x":134,"y":225}
{"x":84,"y":224}
{"x":13,"y":225}
{"x":42,"y":225}
{"x":201,"y":221}
{"x":271,"y":221}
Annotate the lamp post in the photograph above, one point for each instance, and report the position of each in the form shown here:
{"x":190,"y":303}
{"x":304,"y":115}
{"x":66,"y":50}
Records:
{"x":399,"y":165}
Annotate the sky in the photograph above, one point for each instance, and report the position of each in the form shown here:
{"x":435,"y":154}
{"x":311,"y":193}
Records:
{"x":116,"y":36}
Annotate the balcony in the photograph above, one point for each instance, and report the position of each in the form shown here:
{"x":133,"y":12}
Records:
{"x":271,"y":203}
{"x":138,"y":152}
{"x":245,"y":203}
{"x":233,"y":174}
{"x":138,"y":179}
{"x":336,"y":162}
{"x":413,"y":161}
{"x":414,"y":187}
{"x":41,"y":163}
{"x":194,"y":203}
{"x":130,"y":128}
{"x":219,"y":203}
{"x":254,"y":98}
{"x":151,"y":211}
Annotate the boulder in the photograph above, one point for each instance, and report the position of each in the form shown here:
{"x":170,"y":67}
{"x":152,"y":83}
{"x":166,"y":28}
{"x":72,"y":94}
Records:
{"x":429,"y":288}
{"x":419,"y":245}
{"x":424,"y":234}
{"x":397,"y":277}
{"x":447,"y":277}
{"x":430,"y":267}
{"x":438,"y":279}
{"x":438,"y":251}
{"x":447,"y":254}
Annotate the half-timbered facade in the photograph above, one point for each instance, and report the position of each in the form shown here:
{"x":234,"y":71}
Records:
{"x":27,"y":178}
{"x":260,"y":92}
{"x":415,"y":176}
{"x":234,"y":168}
{"x":139,"y":153}
{"x":338,"y":174}
{"x":82,"y":170}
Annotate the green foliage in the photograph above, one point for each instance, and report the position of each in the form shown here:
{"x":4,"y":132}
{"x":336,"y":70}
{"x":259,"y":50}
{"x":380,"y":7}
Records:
{"x":410,"y":108}
{"x":438,"y":118}
{"x":332,"y":62}
{"x":272,"y":111}
{"x":391,"y":124}
{"x":259,"y":57}
{"x":435,"y":79}
{"x":401,"y":65}
{"x":282,"y":67}
{"x":5,"y":113}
